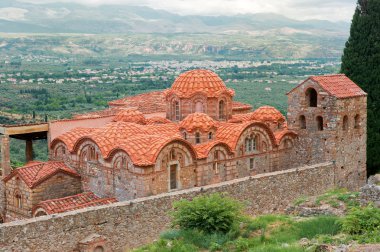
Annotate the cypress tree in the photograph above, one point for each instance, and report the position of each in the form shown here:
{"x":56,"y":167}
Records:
{"x":361,"y":63}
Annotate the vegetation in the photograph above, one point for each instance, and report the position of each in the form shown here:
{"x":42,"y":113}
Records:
{"x":361,"y":62}
{"x":210,"y":214}
{"x":363,"y":224}
{"x":264,"y":233}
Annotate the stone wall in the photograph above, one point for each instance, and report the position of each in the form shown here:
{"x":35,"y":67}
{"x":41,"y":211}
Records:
{"x":133,"y":223}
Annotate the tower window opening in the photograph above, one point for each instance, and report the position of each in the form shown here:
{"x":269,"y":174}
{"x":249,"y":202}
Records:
{"x":302,"y":122}
{"x":197,"y":138}
{"x":312,"y":97}
{"x":357,"y":122}
{"x":345,"y":123}
{"x":319,"y":123}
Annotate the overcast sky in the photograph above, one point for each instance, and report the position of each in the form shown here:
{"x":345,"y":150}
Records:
{"x":334,"y":10}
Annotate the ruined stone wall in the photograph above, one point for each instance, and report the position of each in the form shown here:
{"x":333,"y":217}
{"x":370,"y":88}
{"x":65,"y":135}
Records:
{"x":133,"y":223}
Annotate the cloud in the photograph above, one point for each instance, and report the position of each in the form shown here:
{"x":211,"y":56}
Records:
{"x":12,"y":14}
{"x":334,"y":10}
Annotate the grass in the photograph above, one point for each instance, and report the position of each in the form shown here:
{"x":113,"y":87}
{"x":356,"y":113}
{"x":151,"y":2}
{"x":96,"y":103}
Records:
{"x":264,"y":233}
{"x":335,"y":196}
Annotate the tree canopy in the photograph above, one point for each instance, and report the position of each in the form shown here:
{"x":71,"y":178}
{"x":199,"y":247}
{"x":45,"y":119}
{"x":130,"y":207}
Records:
{"x":361,"y":63}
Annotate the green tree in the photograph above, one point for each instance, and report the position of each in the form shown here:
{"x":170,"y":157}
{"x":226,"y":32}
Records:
{"x":361,"y":63}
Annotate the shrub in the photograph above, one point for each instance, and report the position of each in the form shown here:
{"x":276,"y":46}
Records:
{"x":363,"y":223}
{"x":209,"y":213}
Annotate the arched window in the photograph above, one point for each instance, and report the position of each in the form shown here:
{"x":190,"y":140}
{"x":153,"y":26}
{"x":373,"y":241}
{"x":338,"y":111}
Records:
{"x":319,"y":121}
{"x":18,"y":200}
{"x":222,"y":111}
{"x":345,"y":123}
{"x":176,"y":110}
{"x":215,"y":164}
{"x":302,"y":122}
{"x":185,"y":135}
{"x":357,"y":122}
{"x":312,"y":97}
{"x":92,"y":154}
{"x":251,"y":143}
{"x":197,"y":138}
{"x":199,"y":107}
{"x":210,"y":135}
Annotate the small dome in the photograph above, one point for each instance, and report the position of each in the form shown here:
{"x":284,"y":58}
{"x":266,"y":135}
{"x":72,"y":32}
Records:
{"x":130,"y":115}
{"x":268,"y":114}
{"x":198,"y":121}
{"x":199,"y":80}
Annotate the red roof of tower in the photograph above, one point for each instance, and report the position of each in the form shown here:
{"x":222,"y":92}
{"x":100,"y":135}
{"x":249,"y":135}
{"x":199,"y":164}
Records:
{"x":338,"y":85}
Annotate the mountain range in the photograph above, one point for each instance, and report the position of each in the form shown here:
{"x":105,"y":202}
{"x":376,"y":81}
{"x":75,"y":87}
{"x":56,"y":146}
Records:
{"x":21,"y":17}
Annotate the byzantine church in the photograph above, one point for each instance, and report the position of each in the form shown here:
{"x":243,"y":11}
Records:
{"x":191,"y":135}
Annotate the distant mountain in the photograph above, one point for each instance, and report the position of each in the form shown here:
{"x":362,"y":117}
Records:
{"x":74,"y":18}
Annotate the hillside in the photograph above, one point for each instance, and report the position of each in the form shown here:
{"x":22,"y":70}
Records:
{"x":74,"y":18}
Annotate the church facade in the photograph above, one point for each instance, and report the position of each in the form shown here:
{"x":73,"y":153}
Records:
{"x":191,"y":135}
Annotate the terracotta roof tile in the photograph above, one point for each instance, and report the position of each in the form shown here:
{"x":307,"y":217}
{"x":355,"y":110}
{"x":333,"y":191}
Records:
{"x":267,"y":113}
{"x":279,"y":135}
{"x":237,"y":106}
{"x":230,"y":133}
{"x":71,"y":203}
{"x":69,"y":138}
{"x":239,"y":118}
{"x":98,"y":114}
{"x":198,"y":121}
{"x":338,"y":85}
{"x":146,"y":103}
{"x":35,"y":173}
{"x":157,"y":120}
{"x":199,"y":81}
{"x":130,"y":115}
{"x":204,"y":148}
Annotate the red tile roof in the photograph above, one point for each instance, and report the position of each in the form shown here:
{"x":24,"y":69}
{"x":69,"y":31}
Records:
{"x":198,"y":121}
{"x":199,"y":81}
{"x":146,"y":103}
{"x":204,"y":149}
{"x":279,"y":135}
{"x":35,"y":173}
{"x":144,"y":150}
{"x":238,"y":106}
{"x":230,"y":133}
{"x":338,"y":85}
{"x":130,"y":115}
{"x":71,"y":203}
{"x":262,"y":114}
{"x":267,"y":114}
{"x":69,"y":138}
{"x":239,"y":118}
{"x":98,"y":114}
{"x":157,"y":120}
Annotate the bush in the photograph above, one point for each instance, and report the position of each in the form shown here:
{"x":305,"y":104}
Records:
{"x":210,"y":213}
{"x":363,"y":223}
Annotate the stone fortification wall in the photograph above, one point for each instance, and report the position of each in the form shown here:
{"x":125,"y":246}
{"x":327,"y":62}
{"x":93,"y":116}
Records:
{"x":132,"y":223}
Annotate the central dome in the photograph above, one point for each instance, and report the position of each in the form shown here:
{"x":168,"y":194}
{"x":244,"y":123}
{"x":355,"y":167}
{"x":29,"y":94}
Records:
{"x":199,"y":80}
